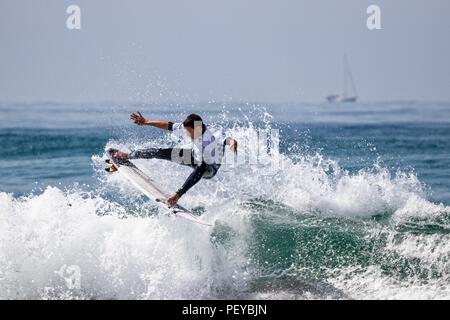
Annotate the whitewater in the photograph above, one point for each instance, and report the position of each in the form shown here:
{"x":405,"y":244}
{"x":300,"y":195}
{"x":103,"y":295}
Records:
{"x":317,"y":218}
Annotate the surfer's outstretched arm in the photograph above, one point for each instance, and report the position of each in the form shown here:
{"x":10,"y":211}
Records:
{"x":138,"y":119}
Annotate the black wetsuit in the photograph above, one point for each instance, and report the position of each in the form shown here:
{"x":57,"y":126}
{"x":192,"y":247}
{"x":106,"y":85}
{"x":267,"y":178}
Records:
{"x":202,"y":169}
{"x":184,"y":157}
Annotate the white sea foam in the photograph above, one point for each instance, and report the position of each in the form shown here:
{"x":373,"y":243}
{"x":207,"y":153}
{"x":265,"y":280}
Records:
{"x":156,"y":257}
{"x":121,"y":255}
{"x":374,"y":284}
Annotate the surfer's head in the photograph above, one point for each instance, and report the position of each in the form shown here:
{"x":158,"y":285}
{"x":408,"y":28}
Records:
{"x":194,"y":125}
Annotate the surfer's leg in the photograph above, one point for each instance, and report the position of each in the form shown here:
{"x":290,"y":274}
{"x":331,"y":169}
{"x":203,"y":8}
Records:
{"x":177,"y":155}
{"x":152,"y":153}
{"x":211,"y":171}
{"x":193,"y":178}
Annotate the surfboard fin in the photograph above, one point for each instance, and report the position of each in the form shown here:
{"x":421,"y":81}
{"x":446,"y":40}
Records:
{"x":111,"y":169}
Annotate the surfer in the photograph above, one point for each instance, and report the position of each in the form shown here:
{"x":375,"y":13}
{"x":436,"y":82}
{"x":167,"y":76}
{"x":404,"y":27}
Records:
{"x":204,"y":157}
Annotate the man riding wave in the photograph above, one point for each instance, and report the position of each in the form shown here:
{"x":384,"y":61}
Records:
{"x":205,"y":157}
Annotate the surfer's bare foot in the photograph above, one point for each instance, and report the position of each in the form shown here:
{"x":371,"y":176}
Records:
{"x":172,"y":200}
{"x":121,"y":155}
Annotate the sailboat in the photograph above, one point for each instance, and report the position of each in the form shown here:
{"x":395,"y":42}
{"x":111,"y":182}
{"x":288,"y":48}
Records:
{"x":344,"y":97}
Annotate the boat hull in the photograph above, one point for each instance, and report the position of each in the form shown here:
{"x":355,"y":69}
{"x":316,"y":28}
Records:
{"x":341,"y":99}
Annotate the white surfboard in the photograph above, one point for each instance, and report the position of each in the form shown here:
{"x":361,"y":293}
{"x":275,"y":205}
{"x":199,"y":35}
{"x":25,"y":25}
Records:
{"x":147,"y":186}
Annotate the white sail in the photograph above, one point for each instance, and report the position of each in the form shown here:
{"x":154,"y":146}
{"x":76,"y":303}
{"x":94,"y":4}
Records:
{"x":348,"y":78}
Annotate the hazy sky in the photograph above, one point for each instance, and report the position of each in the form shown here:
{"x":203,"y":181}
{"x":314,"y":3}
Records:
{"x":200,"y":50}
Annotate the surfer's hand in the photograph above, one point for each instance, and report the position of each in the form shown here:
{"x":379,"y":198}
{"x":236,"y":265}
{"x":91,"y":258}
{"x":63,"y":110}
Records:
{"x":233,"y":145}
{"x":173,"y":199}
{"x":138,"y":119}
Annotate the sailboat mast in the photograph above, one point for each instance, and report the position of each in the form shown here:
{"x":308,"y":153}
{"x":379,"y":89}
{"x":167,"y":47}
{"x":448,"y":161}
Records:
{"x":345,"y":97}
{"x":350,"y":77}
{"x":345,"y":77}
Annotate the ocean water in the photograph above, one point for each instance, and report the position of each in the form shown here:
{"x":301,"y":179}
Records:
{"x":354,"y":204}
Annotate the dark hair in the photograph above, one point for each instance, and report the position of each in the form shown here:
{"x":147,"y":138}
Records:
{"x":190,"y":120}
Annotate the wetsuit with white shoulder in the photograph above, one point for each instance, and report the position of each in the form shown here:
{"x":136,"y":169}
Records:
{"x":205,"y":156}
